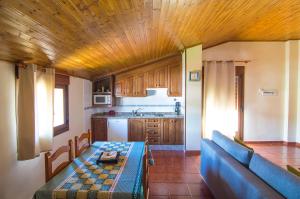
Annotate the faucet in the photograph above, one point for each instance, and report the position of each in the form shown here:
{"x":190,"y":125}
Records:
{"x":134,"y":112}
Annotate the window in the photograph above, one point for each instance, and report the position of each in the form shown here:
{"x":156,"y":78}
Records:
{"x":61,"y":104}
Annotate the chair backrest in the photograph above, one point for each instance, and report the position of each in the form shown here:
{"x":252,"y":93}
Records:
{"x":146,"y":171}
{"x":50,"y":158}
{"x":80,"y":148}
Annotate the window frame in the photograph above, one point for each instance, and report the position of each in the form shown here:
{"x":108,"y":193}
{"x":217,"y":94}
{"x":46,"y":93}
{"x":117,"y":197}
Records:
{"x":63,"y":81}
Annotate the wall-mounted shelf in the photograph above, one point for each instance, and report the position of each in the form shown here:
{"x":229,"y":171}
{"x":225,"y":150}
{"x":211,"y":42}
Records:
{"x":104,"y":86}
{"x":102,"y":93}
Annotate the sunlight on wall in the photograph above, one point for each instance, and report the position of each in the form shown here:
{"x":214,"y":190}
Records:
{"x":58,"y":106}
{"x":263,"y":116}
{"x":193,"y":105}
{"x":223,"y":120}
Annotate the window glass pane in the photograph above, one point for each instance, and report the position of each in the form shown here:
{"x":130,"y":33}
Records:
{"x":59,"y":116}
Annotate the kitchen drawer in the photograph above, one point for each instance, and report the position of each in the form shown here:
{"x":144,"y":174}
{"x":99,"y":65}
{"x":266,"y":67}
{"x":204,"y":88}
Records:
{"x":153,"y":120}
{"x":153,"y":132}
{"x":154,"y":140}
{"x":152,"y":125}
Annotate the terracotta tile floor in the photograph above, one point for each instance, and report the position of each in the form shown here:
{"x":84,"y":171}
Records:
{"x":279,"y":154}
{"x":176,"y":175}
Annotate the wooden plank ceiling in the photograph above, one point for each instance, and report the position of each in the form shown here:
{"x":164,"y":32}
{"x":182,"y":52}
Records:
{"x":96,"y":37}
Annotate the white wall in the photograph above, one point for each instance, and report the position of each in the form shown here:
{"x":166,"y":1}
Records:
{"x":20,"y":179}
{"x":292,"y":94}
{"x":291,"y":91}
{"x":76,"y":113}
{"x":87,"y":89}
{"x":264,"y":115}
{"x":193,"y":60}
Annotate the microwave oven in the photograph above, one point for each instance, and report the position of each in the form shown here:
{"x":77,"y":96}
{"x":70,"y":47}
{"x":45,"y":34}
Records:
{"x":102,"y":99}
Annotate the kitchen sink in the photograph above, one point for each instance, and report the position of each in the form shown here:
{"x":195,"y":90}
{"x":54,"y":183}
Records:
{"x":139,"y":115}
{"x":158,"y":114}
{"x":149,"y":115}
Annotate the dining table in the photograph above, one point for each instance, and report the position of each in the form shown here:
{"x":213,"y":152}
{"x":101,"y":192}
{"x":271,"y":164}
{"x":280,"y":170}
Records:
{"x":85,"y":179}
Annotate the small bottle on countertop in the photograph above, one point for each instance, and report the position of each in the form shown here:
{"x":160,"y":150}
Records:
{"x":177,"y":107}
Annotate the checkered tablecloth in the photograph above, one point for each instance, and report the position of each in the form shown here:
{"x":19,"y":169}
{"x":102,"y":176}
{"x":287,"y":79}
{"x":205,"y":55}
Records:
{"x":84,"y":179}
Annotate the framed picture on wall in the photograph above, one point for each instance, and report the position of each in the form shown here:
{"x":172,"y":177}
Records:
{"x":195,"y":75}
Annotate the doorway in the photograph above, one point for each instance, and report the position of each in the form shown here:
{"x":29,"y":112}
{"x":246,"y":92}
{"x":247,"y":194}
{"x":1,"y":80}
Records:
{"x":237,"y":93}
{"x":239,"y":99}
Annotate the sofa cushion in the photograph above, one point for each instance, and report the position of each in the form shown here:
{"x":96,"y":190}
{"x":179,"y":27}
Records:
{"x":227,"y":178}
{"x":279,"y":179}
{"x":237,"y":151}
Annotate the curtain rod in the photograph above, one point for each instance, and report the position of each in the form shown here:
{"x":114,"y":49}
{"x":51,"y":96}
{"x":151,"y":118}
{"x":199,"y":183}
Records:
{"x":20,"y":65}
{"x":243,"y":61}
{"x":24,"y":65}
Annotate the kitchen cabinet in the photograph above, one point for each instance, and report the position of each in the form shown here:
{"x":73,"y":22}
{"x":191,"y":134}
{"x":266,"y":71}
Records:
{"x":103,"y":87}
{"x":161,"y":77}
{"x":99,"y":129}
{"x":168,"y":131}
{"x":132,"y":86}
{"x":161,"y":74}
{"x":138,"y":86}
{"x":159,"y":131}
{"x":172,"y":132}
{"x":136,"y":130}
{"x":150,"y":78}
{"x":129,"y":86}
{"x":120,"y":88}
{"x":157,"y":78}
{"x":153,"y":130}
{"x":174,"y":80}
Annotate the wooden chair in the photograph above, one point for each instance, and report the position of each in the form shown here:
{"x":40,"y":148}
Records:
{"x":78,"y":140}
{"x":49,"y":158}
{"x":146,"y":171}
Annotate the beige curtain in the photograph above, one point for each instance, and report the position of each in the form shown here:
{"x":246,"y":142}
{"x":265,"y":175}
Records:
{"x":35,"y":92}
{"x":219,"y":98}
{"x":25,"y":97}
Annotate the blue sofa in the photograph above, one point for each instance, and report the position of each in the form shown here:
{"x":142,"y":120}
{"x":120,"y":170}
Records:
{"x":233,"y":171}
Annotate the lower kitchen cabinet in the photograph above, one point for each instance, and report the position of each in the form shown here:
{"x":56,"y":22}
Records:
{"x":153,"y":130}
{"x":136,"y":130}
{"x":172,"y":132}
{"x":167,"y":131}
{"x":99,"y":129}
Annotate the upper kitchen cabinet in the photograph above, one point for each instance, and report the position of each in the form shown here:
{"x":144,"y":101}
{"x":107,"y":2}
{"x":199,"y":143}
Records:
{"x":166,"y":73}
{"x":157,"y":77}
{"x":150,"y":79}
{"x":139,"y":85}
{"x":175,"y":80}
{"x":120,"y":88}
{"x":129,"y":86}
{"x":161,"y":77}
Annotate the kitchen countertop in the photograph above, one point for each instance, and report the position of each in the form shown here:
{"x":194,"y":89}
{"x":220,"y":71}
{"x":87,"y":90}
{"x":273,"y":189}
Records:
{"x":127,"y":115}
